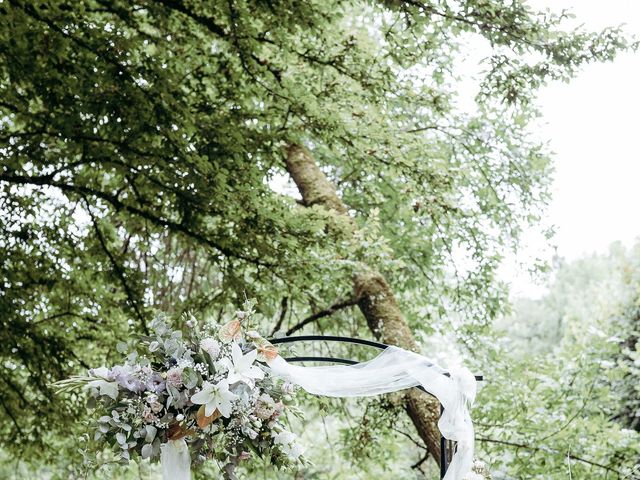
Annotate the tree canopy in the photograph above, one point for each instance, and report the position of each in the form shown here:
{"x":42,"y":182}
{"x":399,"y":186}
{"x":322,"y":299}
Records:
{"x":144,"y":146}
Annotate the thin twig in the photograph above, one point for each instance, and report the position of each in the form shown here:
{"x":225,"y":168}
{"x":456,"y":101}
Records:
{"x":546,"y":451}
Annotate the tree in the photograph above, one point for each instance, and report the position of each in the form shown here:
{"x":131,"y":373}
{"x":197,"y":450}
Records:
{"x":140,"y":142}
{"x":574,"y":406}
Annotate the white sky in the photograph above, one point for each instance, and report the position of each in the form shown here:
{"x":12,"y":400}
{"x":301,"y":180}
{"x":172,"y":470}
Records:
{"x":593,"y":128}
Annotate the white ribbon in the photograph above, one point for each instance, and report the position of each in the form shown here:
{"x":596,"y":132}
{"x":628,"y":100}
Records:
{"x":175,"y":459}
{"x":397,"y":369}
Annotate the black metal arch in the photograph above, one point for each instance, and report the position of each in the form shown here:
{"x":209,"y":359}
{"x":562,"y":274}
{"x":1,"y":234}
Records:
{"x":346,"y":361}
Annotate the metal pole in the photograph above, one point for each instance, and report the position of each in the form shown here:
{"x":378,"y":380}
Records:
{"x":444,"y":457}
{"x":443,"y":452}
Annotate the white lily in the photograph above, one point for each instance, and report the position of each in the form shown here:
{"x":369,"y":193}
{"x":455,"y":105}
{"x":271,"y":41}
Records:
{"x":242,"y":368}
{"x":215,"y":397}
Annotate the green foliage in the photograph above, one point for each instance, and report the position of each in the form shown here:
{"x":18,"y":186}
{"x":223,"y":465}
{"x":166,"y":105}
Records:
{"x":565,"y":395}
{"x":140,"y":142}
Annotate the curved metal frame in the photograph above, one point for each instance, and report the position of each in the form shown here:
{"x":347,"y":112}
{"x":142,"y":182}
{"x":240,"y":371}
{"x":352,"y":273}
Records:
{"x":345,"y":361}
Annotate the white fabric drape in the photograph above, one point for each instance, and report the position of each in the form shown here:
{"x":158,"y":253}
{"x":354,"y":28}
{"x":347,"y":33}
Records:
{"x":175,"y":459}
{"x":397,"y":369}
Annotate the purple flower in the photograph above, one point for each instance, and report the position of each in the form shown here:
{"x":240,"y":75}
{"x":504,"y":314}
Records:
{"x":131,"y":383}
{"x":124,"y":376}
{"x":156,"y":383}
{"x":119,"y":370}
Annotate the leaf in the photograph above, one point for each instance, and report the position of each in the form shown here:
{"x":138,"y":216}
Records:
{"x":177,"y":431}
{"x":110,"y":389}
{"x":204,"y":421}
{"x":121,"y":438}
{"x":173,"y":391}
{"x":150,"y":433}
{"x":147,"y":450}
{"x":189,"y":378}
{"x":266,"y":350}
{"x":231,"y":331}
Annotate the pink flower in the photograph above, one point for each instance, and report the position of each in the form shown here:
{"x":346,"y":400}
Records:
{"x":265,"y":407}
{"x":244,"y":455}
{"x":174,"y":377}
{"x":278,"y":409}
{"x":148,"y":415}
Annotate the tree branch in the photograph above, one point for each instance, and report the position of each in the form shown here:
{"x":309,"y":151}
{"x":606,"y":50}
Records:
{"x":323,"y":313}
{"x":374,"y":295}
{"x":284,"y":306}
{"x":47,"y":180}
{"x":546,"y":451}
{"x":12,"y":417}
{"x":207,"y":22}
{"x":119,"y":271}
{"x":419,"y":463}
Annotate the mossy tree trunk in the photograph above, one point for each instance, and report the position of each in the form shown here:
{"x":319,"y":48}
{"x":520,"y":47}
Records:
{"x":374,"y":295}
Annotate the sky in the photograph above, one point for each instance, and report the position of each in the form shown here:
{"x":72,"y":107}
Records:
{"x":593,"y":129}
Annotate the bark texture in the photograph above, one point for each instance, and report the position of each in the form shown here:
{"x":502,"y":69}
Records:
{"x":375,"y":297}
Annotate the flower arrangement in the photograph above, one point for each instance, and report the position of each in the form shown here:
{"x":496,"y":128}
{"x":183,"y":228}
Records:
{"x":205,"y":386}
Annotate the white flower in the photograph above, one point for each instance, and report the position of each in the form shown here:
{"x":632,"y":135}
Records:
{"x":185,"y":363}
{"x":279,"y":408}
{"x":294,"y":451}
{"x":242,"y":368}
{"x":105,"y":388}
{"x":479,"y":465}
{"x":211,"y":346}
{"x":288,"y":388}
{"x":288,"y":444}
{"x":284,"y":438}
{"x":102,"y":372}
{"x":215,"y":397}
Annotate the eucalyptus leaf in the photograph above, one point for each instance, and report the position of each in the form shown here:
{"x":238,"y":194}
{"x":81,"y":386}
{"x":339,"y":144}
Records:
{"x":189,"y":378}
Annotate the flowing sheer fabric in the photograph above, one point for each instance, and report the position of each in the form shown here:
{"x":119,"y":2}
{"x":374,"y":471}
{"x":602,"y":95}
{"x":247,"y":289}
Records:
{"x":175,"y":459}
{"x":397,"y":369}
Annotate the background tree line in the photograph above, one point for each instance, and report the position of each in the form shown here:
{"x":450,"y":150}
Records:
{"x":140,"y":146}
